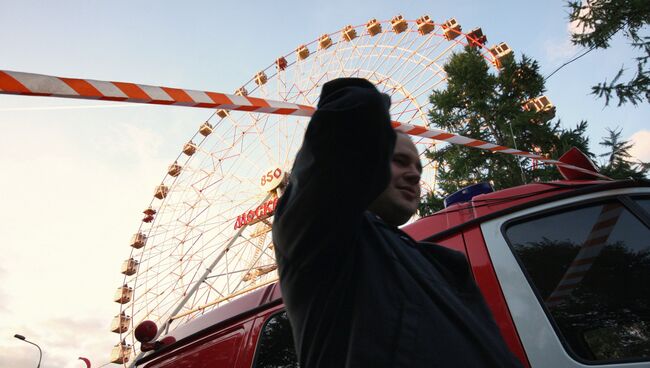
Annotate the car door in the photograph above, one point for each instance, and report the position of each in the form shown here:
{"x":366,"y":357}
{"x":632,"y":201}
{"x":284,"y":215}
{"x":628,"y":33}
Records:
{"x":575,"y":274}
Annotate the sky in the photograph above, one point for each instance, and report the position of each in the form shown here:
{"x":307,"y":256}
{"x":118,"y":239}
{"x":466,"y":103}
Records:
{"x":77,"y":174}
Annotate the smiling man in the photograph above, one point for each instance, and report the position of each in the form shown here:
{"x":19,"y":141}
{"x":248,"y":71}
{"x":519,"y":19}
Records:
{"x":401,"y":198}
{"x":359,"y":292}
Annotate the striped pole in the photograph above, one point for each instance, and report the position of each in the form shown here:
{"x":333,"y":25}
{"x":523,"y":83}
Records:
{"x":19,"y":83}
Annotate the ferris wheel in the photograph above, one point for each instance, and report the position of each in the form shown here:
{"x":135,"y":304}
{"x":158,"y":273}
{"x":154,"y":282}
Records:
{"x":205,"y":238}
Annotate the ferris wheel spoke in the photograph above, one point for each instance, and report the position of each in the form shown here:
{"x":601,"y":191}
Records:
{"x":241,"y":270}
{"x":374,"y":51}
{"x":420,"y":57}
{"x":247,"y":271}
{"x":384,"y":46}
{"x":415,"y":96}
{"x":436,"y":72}
{"x":403,"y":51}
{"x":424,"y":63}
{"x":410,"y":76}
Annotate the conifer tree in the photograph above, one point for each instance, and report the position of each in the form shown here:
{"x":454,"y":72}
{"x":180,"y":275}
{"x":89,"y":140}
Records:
{"x":481,"y":103}
{"x":618,"y":163}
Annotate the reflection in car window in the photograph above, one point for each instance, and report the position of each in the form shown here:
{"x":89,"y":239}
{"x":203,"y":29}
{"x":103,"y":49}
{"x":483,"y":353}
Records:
{"x":276,"y":349}
{"x":643,"y":202}
{"x":591,"y":268}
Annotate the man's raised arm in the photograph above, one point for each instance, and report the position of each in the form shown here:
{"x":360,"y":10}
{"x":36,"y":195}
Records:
{"x":342,"y":166}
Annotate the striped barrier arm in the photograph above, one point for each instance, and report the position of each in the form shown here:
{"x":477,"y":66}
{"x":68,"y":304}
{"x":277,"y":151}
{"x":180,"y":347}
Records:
{"x":441,"y":135}
{"x":19,"y":83}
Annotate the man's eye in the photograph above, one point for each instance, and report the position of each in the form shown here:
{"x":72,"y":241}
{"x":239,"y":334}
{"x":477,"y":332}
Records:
{"x":400,"y":161}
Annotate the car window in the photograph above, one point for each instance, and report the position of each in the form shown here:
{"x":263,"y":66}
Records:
{"x":643,"y":202}
{"x":276,"y":348}
{"x":590,"y":267}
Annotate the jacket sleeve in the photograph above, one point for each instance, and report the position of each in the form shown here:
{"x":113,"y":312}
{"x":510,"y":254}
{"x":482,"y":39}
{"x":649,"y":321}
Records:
{"x":342,"y":166}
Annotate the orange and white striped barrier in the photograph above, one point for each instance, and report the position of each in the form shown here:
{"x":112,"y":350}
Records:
{"x":596,"y":241}
{"x":441,"y":135}
{"x":19,"y":83}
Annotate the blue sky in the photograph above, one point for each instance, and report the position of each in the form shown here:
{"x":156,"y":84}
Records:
{"x":78,"y":173}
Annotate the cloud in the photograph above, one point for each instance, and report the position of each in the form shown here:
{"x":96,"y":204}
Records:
{"x":71,"y":208}
{"x":79,"y":337}
{"x":20,"y":355}
{"x":4,"y":298}
{"x":49,"y":108}
{"x":559,"y":50}
{"x":641,"y":149}
{"x":63,"y":341}
{"x":577,"y":27}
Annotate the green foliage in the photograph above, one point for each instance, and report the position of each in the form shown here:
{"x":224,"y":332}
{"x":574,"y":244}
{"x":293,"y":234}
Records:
{"x":618,"y":164}
{"x":276,"y":344}
{"x":599,"y":21}
{"x":480,"y":104}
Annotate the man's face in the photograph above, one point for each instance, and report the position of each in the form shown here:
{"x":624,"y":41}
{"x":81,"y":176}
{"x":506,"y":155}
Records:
{"x":399,"y":201}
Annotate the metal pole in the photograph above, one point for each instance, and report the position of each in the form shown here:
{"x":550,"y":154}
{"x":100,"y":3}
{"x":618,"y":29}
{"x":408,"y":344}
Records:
{"x":40,"y":352}
{"x":207,"y":272}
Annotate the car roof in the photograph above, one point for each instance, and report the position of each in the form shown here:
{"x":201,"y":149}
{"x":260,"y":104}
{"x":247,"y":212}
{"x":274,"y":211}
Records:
{"x":487,"y":206}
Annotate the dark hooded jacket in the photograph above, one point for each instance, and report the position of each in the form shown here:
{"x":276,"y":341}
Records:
{"x":360,"y":292}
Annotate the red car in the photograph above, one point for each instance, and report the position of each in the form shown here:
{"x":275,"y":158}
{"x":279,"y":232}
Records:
{"x":564,"y":266}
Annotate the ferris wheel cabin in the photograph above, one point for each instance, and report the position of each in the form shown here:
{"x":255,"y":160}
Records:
{"x":542,"y":106}
{"x":425,"y":25}
{"x":451,"y":29}
{"x":398,"y":23}
{"x":129,"y":267}
{"x":174,"y":169}
{"x":476,"y":38}
{"x":120,"y":323}
{"x":349,"y":33}
{"x":120,"y":353}
{"x":373,"y":27}
{"x":123,"y":294}
{"x":190,"y":148}
{"x":499,"y":52}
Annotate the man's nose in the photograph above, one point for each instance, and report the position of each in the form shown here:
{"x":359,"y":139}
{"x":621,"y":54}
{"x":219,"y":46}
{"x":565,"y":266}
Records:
{"x":412,"y":176}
